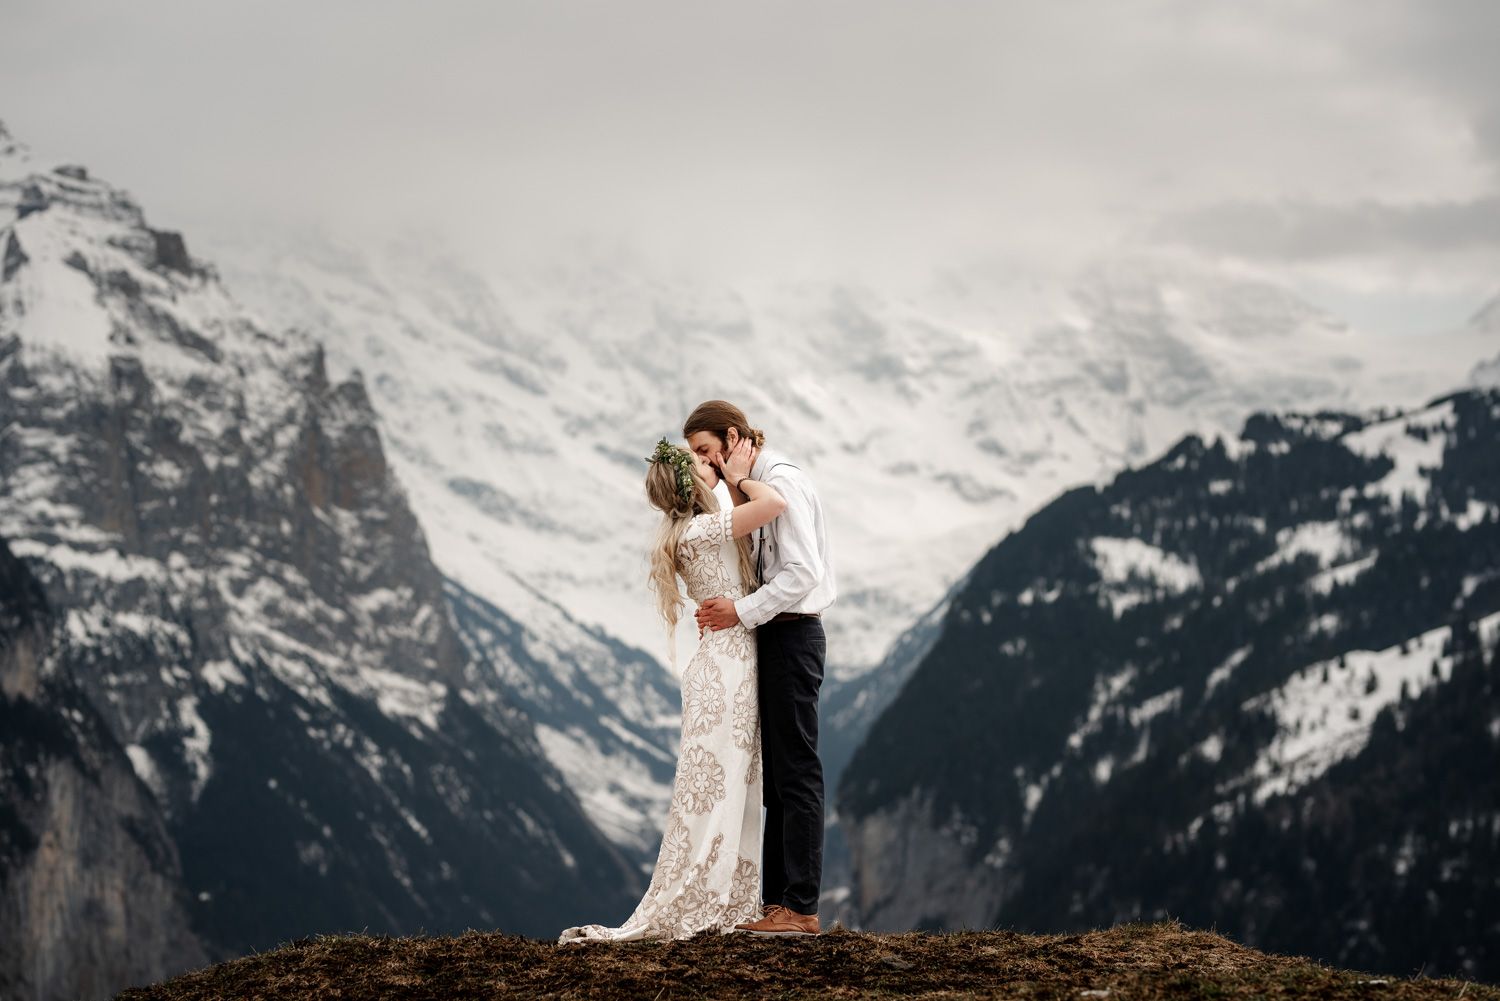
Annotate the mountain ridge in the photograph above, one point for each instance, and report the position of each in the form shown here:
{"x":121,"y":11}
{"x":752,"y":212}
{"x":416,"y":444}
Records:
{"x":1135,"y":682}
{"x":250,"y":605}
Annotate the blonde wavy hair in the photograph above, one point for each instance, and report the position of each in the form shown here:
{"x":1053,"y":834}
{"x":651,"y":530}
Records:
{"x":677,"y":513}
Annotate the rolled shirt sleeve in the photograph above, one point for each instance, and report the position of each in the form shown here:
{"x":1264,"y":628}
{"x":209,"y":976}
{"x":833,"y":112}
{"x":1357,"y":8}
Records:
{"x":801,"y":563}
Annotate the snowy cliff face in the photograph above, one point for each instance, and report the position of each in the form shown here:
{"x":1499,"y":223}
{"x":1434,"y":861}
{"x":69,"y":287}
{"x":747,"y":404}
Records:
{"x":91,"y":890}
{"x":1250,"y":684}
{"x":518,"y":406}
{"x":251,"y":603}
{"x":605,"y":714}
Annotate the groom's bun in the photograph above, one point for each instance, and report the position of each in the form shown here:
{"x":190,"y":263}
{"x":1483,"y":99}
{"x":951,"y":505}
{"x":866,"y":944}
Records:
{"x":757,"y":437}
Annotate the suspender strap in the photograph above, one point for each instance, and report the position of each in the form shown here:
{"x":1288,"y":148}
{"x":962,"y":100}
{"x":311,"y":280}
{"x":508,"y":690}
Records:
{"x":760,"y":538}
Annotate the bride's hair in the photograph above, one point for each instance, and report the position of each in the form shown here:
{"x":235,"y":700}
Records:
{"x":719,"y":416}
{"x":677,"y":513}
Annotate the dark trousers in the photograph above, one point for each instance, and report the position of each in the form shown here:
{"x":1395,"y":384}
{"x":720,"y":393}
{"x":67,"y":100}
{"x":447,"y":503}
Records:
{"x":790,"y":672}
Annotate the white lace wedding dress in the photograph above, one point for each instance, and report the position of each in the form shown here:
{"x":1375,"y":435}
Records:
{"x":707,"y":874}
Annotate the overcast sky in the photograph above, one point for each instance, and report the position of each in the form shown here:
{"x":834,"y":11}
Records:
{"x":1351,"y":147}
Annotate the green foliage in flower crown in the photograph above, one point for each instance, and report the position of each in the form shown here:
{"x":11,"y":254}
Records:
{"x":682,"y":460}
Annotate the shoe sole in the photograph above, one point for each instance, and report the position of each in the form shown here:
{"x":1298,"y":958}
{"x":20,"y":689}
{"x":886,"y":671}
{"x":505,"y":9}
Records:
{"x":781,"y":934}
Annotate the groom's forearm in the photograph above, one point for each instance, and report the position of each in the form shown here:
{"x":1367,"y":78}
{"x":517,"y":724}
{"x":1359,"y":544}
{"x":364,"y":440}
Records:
{"x":791,"y":585}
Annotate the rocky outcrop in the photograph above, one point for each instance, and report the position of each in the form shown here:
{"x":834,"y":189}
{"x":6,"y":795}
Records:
{"x":171,"y":251}
{"x":91,"y":890}
{"x":904,"y":846}
{"x":13,"y":258}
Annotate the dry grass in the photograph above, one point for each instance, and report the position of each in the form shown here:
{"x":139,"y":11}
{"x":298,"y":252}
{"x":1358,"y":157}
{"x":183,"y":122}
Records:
{"x":1130,"y":961}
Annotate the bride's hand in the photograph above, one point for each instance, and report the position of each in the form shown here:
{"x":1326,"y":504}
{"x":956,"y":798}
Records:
{"x":737,"y":463}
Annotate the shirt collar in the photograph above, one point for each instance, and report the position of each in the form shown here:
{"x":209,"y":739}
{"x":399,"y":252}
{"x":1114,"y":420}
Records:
{"x":763,"y":462}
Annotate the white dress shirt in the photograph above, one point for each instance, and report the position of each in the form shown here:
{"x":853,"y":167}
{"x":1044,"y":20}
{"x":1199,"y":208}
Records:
{"x":792,"y":551}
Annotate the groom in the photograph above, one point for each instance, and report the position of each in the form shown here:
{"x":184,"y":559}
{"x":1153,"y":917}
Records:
{"x":793,"y":565}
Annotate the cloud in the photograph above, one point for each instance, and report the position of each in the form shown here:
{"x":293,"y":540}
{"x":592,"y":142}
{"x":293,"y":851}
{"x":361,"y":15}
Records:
{"x":1445,"y":48}
{"x":881,"y":137}
{"x":1296,"y":231}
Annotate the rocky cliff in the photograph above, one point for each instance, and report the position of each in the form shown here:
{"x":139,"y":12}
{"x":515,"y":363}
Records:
{"x":250,"y":606}
{"x":91,"y":890}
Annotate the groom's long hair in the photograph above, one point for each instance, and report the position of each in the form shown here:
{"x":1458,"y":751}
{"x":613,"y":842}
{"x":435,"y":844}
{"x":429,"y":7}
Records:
{"x":677,"y":514}
{"x":717,"y":417}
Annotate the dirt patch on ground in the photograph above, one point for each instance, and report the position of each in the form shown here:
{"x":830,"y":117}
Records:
{"x":1143,"y":961}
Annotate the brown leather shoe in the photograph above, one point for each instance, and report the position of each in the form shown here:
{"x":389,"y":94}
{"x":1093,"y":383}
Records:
{"x":781,"y":922}
{"x":766,"y":912}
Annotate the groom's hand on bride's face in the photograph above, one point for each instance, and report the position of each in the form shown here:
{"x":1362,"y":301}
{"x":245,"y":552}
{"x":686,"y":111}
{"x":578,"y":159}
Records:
{"x":716,"y":614}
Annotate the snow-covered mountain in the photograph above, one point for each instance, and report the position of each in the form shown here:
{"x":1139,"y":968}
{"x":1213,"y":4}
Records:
{"x":518,"y":405}
{"x":1252,"y":684}
{"x":245,"y":596}
{"x":607,"y":715}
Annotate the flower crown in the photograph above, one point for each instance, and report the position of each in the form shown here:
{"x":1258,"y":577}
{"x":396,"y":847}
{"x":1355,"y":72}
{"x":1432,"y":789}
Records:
{"x":682,"y":461}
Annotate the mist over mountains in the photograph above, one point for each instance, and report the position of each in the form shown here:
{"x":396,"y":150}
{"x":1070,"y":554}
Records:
{"x":511,"y":401}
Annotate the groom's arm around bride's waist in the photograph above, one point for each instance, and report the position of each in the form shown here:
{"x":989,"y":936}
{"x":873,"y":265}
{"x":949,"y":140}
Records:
{"x":796,"y":564}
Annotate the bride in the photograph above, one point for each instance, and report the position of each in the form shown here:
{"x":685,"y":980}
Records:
{"x":707,"y":873}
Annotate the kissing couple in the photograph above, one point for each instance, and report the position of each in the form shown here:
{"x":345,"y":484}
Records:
{"x":761,"y":575}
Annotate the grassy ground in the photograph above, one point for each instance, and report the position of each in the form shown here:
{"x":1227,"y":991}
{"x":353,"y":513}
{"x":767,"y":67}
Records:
{"x":1130,"y":961}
